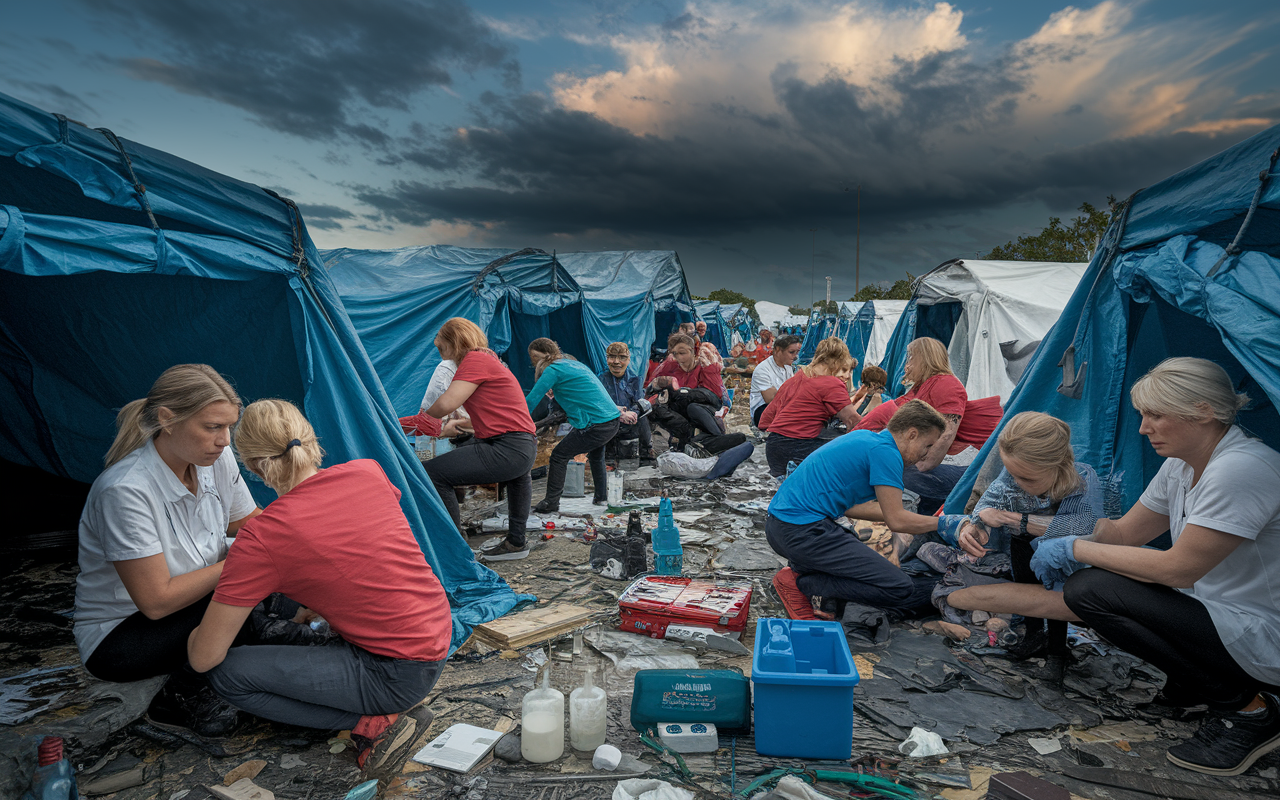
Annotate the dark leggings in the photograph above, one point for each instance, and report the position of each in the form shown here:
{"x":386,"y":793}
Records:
{"x":779,"y":449}
{"x":590,"y":440}
{"x":1020,"y":553}
{"x":1167,"y":628}
{"x":505,"y":458}
{"x":140,"y":648}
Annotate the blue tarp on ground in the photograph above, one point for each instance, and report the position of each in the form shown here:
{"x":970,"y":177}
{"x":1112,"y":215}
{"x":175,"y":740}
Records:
{"x":105,"y":284}
{"x":1158,"y":287}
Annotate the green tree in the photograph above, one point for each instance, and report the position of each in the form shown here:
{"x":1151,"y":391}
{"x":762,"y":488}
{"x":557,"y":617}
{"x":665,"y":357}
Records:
{"x":729,"y":297}
{"x":799,"y":311}
{"x":899,"y":290}
{"x":1059,"y":242}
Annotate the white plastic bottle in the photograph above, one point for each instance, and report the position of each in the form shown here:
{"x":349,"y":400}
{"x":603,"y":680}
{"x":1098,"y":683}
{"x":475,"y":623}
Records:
{"x":587,"y":715}
{"x":542,"y":722}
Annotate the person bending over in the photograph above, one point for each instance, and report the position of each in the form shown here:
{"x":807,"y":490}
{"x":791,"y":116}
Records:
{"x":337,"y":541}
{"x":688,"y":373}
{"x":626,"y":393}
{"x":850,"y":476}
{"x":771,"y":373}
{"x":504,"y":448}
{"x":1206,"y":611}
{"x":590,"y":410}
{"x":1042,"y":491}
{"x":153,"y":536}
{"x":805,"y":403}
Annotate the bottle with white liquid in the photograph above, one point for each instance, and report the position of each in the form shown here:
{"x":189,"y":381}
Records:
{"x":587,"y":715}
{"x":542,"y":722}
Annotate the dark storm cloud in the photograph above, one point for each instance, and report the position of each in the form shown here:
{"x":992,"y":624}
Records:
{"x":325,"y":217}
{"x":55,"y":98}
{"x":308,"y":67}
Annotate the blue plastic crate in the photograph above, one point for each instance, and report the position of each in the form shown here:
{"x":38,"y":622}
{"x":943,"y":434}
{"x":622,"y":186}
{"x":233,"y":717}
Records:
{"x":804,"y":678}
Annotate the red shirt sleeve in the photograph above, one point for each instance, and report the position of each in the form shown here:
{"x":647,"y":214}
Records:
{"x":248,"y":575}
{"x":834,"y":395}
{"x":474,"y":370}
{"x":945,"y":393}
{"x":709,"y":378}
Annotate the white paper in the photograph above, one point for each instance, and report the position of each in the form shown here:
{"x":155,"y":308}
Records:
{"x":459,"y":748}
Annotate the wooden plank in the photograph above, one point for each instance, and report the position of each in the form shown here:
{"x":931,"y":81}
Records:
{"x":534,"y":625}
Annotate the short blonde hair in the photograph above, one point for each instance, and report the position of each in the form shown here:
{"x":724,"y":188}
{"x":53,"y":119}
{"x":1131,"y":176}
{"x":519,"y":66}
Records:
{"x":618,"y":349}
{"x":461,"y":336}
{"x":1190,"y":388}
{"x":919,"y":415}
{"x":931,"y":357}
{"x":184,"y":389}
{"x":1042,"y":442}
{"x":264,"y":442}
{"x":833,"y":355}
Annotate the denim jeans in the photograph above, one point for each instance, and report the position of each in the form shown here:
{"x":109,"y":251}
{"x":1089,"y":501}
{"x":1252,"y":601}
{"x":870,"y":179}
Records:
{"x":328,"y":687}
{"x":590,"y":440}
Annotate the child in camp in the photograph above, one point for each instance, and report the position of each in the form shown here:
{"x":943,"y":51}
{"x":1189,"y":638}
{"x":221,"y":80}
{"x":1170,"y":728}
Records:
{"x":336,"y":541}
{"x":869,"y":394}
{"x":858,"y":475}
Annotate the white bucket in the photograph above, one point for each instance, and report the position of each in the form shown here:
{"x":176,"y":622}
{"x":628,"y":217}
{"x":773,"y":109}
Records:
{"x":575,"y":479}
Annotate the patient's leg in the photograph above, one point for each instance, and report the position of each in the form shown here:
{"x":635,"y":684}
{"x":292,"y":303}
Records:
{"x":1026,"y":599}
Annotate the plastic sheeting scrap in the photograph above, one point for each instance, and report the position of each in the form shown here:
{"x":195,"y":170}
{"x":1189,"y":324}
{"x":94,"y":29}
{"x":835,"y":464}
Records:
{"x":649,"y":789}
{"x":631,"y":652}
{"x":922,"y":743}
{"x":790,"y":787}
{"x":749,"y":554}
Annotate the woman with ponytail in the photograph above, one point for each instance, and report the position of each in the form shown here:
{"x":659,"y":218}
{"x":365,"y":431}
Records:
{"x":153,"y":536}
{"x":590,"y":410}
{"x":336,"y":541}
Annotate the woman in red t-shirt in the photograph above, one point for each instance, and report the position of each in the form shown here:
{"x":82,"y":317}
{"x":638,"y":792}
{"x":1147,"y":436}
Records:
{"x":805,"y":403}
{"x":504,"y":447}
{"x":337,"y":542}
{"x":687,"y":371}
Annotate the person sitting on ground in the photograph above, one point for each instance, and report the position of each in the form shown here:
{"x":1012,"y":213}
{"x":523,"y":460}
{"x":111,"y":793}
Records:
{"x":738,"y":363}
{"x":627,"y":395}
{"x":1205,"y":612}
{"x":708,"y":354}
{"x":504,"y":448}
{"x":590,"y":410}
{"x":770,"y":374}
{"x":153,"y":536}
{"x":806,"y":403}
{"x":764,"y":346}
{"x":1041,"y":491}
{"x":686,"y":372}
{"x":336,"y":541}
{"x":422,"y":423}
{"x":699,"y":333}
{"x":928,"y":375}
{"x":850,"y":476}
{"x":870,"y":393}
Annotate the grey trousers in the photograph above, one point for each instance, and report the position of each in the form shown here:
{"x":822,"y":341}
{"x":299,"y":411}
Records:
{"x":327,"y":687}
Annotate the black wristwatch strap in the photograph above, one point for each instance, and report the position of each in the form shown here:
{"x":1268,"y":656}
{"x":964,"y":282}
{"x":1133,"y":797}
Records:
{"x":1022,"y":526}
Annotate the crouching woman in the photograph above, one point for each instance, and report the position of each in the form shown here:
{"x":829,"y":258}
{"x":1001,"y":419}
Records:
{"x":337,"y":542}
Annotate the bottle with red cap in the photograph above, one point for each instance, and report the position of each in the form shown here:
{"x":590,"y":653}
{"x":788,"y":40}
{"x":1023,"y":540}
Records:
{"x":54,"y":778}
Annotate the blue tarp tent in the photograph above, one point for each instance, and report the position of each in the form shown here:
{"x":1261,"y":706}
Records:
{"x":118,"y":261}
{"x":633,"y":296}
{"x":397,"y":300}
{"x":1163,"y":284}
{"x":820,"y":326}
{"x":717,"y":331}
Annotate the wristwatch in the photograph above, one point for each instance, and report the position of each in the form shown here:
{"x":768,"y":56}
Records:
{"x":1022,"y":526}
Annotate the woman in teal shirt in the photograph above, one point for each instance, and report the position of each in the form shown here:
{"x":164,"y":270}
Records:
{"x":590,"y":410}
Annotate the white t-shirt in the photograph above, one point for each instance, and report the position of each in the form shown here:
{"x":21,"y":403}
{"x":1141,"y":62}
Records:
{"x":768,"y":375}
{"x":440,"y":380}
{"x":139,"y":508}
{"x":1239,"y":494}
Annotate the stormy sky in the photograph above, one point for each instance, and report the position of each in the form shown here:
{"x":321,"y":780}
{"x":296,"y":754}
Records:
{"x":736,"y":133}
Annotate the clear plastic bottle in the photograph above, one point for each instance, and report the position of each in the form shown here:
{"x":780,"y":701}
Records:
{"x":54,"y":778}
{"x":542,"y":722}
{"x":587,"y":714}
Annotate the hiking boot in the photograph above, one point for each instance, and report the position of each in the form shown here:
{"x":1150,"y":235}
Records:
{"x":547,"y":506}
{"x":188,"y":702}
{"x":386,"y":741}
{"x":695,"y":450}
{"x":796,"y":602}
{"x":504,"y":551}
{"x":1228,"y":743}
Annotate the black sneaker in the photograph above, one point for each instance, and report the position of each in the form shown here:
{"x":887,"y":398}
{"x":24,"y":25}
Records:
{"x":547,"y":507}
{"x":1055,"y":667}
{"x":187,"y":702}
{"x":504,"y":551}
{"x":1229,"y":743}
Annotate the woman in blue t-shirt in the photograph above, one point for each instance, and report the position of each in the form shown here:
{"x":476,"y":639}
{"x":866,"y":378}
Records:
{"x":590,"y":410}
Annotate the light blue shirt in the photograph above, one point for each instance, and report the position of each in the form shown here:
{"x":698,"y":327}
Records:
{"x":837,"y":476}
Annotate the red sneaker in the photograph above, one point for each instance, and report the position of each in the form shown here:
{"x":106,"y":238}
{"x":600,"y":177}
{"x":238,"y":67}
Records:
{"x":796,"y":602}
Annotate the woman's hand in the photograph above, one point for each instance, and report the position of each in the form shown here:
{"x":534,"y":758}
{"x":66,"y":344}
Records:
{"x":451,"y":429}
{"x":628,"y":417}
{"x":305,"y":616}
{"x":973,"y":540}
{"x":995,"y":518}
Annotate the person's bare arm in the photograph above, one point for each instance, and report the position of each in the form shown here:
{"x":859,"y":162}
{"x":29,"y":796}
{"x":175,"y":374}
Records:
{"x":208,"y":644}
{"x":767,"y":394}
{"x":898,"y":518}
{"x":235,"y":525}
{"x":939,"y":450}
{"x":849,"y":416}
{"x":1197,"y":551}
{"x":454,"y":396}
{"x":1136,"y":528}
{"x":156,"y":593}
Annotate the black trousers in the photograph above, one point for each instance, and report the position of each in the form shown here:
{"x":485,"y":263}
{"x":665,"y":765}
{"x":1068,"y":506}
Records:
{"x":641,"y":430}
{"x":757,"y":414}
{"x":590,"y":440}
{"x":506,"y":458}
{"x":1020,"y":553}
{"x":1166,"y":628}
{"x":778,"y":450}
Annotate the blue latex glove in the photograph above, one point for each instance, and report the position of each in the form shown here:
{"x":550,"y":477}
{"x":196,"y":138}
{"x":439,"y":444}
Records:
{"x":949,"y":528}
{"x":1054,"y":560}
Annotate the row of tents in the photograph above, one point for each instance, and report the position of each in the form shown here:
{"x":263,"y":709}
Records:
{"x":117,"y":261}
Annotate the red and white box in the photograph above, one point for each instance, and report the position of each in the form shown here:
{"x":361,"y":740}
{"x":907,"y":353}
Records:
{"x":653,"y":602}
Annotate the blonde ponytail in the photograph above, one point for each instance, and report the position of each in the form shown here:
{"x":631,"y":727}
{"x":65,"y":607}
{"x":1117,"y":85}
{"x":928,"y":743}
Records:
{"x":275,"y":441}
{"x":184,"y":389}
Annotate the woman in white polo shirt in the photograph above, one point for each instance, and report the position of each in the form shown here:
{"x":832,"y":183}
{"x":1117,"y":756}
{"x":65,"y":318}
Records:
{"x":770,"y":374}
{"x":153,"y":539}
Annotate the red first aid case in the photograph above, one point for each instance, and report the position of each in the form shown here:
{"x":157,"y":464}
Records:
{"x":653,"y":602}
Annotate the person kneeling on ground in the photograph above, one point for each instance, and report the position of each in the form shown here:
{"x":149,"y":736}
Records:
{"x":808,"y":400}
{"x":771,"y":373}
{"x":1206,"y":612}
{"x":591,"y":412}
{"x":850,"y":476}
{"x":1042,"y":491}
{"x":627,"y":394}
{"x":337,"y":541}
